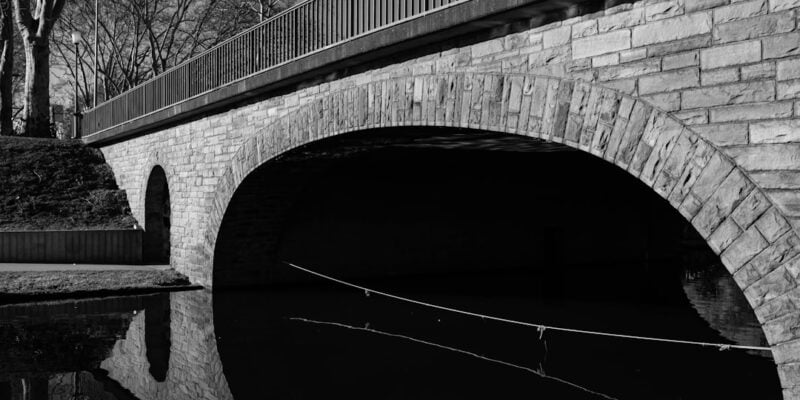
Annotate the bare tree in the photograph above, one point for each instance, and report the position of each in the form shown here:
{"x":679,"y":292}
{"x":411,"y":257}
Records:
{"x":141,"y":38}
{"x":6,"y":68}
{"x":35,"y":25}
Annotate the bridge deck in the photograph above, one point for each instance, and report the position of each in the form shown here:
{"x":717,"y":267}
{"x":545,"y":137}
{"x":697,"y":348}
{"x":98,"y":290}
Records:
{"x":293,"y":47}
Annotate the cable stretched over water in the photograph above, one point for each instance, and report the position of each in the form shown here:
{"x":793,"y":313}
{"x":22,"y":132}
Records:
{"x":540,"y":327}
{"x":540,"y":374}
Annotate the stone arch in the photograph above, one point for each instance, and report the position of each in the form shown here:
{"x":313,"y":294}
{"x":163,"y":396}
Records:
{"x":754,"y":239}
{"x":157,"y":216}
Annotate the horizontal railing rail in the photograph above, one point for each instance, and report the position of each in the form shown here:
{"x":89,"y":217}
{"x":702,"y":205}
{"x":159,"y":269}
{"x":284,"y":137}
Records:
{"x":306,"y":28}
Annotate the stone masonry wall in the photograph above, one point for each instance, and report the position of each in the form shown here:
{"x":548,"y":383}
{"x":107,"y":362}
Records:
{"x":729,"y":71}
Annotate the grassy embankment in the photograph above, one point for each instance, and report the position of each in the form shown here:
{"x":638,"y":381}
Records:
{"x":63,"y":185}
{"x":23,"y":286}
{"x":58,"y":185}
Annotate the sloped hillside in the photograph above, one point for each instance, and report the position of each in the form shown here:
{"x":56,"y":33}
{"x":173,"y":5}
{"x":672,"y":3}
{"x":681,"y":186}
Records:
{"x":55,"y":184}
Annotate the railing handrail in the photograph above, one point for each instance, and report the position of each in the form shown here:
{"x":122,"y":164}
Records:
{"x":263,"y":46}
{"x":208,"y":50}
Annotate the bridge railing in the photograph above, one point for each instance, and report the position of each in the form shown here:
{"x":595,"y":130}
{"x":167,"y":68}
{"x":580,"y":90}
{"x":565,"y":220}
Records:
{"x":306,"y":28}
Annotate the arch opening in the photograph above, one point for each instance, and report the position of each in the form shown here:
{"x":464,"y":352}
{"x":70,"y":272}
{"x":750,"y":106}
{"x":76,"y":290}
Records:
{"x":156,"y":238}
{"x":529,"y":226}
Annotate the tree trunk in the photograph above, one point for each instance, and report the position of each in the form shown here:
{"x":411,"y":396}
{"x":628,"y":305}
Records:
{"x":6,"y":68}
{"x":36,"y":111}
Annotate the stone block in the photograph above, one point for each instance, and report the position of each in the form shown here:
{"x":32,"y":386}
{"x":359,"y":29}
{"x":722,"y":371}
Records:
{"x":487,"y":48}
{"x":723,"y":134}
{"x":779,"y":5}
{"x":770,"y":286}
{"x":627,"y":86}
{"x":789,"y":374}
{"x":677,"y":46}
{"x":740,"y":10}
{"x":686,"y":163}
{"x":669,"y":81}
{"x":633,"y":132}
{"x":605,"y":60}
{"x":719,"y":76}
{"x":788,"y":69}
{"x":689,"y":207}
{"x":629,"y":70}
{"x":772,"y":225}
{"x":767,"y":157}
{"x":664,"y":101}
{"x":667,"y":136}
{"x":779,"y":306}
{"x":556,"y":37}
{"x":601,"y":44}
{"x":698,"y":5}
{"x":787,"y":201}
{"x":621,"y":20}
{"x":672,"y":29}
{"x":793,"y":267}
{"x":784,"y":249}
{"x":632,"y":54}
{"x":745,"y":277}
{"x":723,"y":56}
{"x":756,"y":27}
{"x":724,"y":235}
{"x":730,"y":193}
{"x":737,"y":93}
{"x":743,"y":249}
{"x":778,"y":131}
{"x":781,"y":46}
{"x":715,"y":171}
{"x":697,"y":116}
{"x":681,"y":60}
{"x":750,"y":209}
{"x":663,"y":9}
{"x":762,"y":70}
{"x":555,"y":55}
{"x":788,"y":89}
{"x":776,"y":179}
{"x":756,"y":111}
{"x":584,"y":28}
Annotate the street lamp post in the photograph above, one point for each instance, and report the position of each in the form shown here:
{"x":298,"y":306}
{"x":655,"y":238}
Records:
{"x":76,"y":122}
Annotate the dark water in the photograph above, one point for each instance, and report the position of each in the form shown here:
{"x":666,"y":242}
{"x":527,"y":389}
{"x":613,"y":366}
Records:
{"x":319,"y":340}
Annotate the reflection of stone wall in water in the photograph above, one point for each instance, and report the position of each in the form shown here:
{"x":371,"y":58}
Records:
{"x":195,"y":370}
{"x":46,"y":343}
{"x":715,"y":296}
{"x":58,"y":343}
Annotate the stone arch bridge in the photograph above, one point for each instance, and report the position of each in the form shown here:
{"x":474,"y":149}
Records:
{"x":698,"y":99}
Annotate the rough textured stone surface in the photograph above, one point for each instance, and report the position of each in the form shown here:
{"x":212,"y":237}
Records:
{"x":739,"y":10}
{"x":754,"y":27}
{"x":601,"y":44}
{"x":718,"y":76}
{"x":743,"y":249}
{"x":723,"y":134}
{"x":749,"y":92}
{"x":672,"y":29}
{"x":670,"y":81}
{"x":749,"y":112}
{"x":781,"y":131}
{"x":723,"y":56}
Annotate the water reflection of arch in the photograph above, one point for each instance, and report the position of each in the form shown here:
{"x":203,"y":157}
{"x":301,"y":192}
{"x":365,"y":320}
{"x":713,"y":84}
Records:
{"x":49,"y":347}
{"x":194,"y":367}
{"x":718,"y":300}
